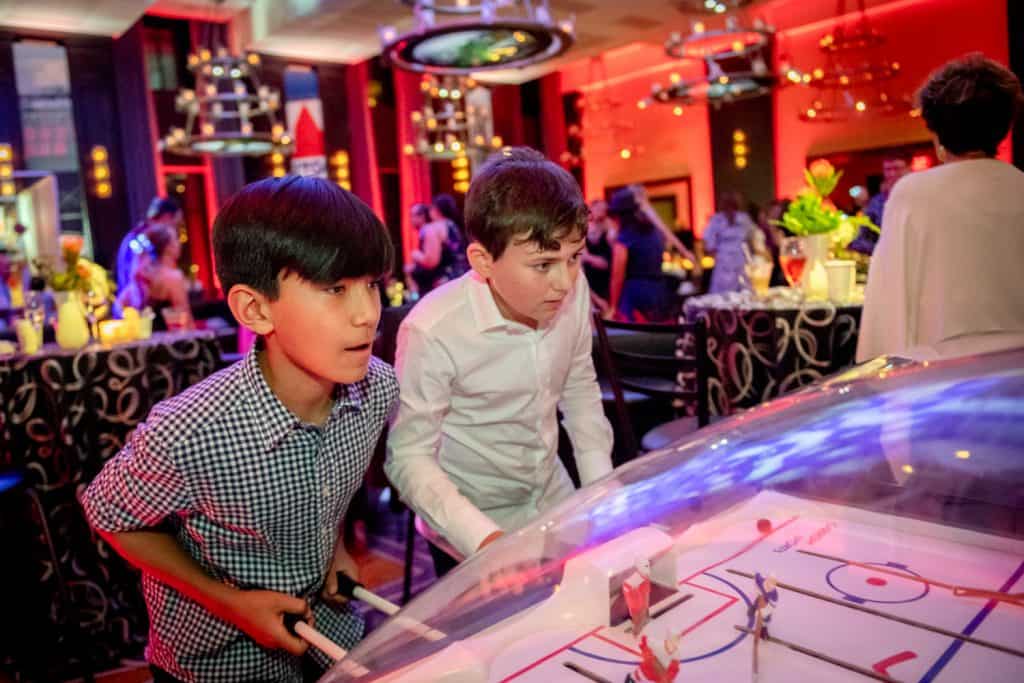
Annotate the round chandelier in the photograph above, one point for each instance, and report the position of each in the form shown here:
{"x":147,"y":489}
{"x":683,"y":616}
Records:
{"x":736,"y":59}
{"x":711,"y":6}
{"x":455,"y":119}
{"x":856,"y":79}
{"x":481,"y":36}
{"x":229,"y":113}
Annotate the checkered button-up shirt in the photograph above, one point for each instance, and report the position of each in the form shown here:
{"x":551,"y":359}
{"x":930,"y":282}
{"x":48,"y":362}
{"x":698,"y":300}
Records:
{"x":255,"y":496}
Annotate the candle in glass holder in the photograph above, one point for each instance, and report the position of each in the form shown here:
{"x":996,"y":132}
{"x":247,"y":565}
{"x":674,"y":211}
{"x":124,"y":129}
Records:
{"x":30,"y":336}
{"x":113,"y":331}
{"x":130,"y":316}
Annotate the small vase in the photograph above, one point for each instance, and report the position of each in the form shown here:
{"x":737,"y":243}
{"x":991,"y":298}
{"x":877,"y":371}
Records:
{"x":814,"y":281}
{"x":72,"y":328}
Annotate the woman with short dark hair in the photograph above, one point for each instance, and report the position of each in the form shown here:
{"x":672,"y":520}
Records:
{"x":945,"y":276}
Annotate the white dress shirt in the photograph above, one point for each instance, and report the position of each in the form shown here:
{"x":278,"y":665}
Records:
{"x":473,"y":447}
{"x":945,"y":278}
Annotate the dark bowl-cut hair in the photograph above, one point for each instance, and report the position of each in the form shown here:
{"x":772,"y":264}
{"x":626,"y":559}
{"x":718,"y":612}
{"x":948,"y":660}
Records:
{"x":519,"y":195}
{"x":297,"y":225}
{"x":970,"y":104}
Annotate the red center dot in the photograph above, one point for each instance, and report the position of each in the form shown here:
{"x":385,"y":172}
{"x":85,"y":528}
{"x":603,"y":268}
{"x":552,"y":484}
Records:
{"x":875,"y":581}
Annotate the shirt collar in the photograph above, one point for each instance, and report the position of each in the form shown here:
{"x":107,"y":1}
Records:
{"x":487,"y":315}
{"x":274,"y":419}
{"x":485,"y":310}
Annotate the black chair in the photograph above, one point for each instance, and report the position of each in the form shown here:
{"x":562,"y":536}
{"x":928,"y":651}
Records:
{"x":655,"y":375}
{"x":27,"y":622}
{"x":384,"y":347}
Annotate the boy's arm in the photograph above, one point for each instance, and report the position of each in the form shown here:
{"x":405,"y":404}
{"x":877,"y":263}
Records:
{"x":425,"y":375}
{"x":260,"y":614}
{"x":582,"y":412}
{"x":135,"y":492}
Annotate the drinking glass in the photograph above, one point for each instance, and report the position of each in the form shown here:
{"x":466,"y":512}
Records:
{"x":792,"y":258}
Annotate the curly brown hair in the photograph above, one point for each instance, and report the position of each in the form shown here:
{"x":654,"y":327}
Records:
{"x":970,"y":104}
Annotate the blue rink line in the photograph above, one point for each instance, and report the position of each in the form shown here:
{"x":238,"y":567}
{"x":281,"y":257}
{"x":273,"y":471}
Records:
{"x":942,"y":661}
{"x":727,"y":646}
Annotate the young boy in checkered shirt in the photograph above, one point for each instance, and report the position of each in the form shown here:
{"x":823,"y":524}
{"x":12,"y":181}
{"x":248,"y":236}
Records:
{"x":230,"y":496}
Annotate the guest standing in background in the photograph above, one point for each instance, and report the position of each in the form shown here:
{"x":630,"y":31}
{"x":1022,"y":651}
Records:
{"x":156,"y":280}
{"x":162,"y":211}
{"x":893,"y":168}
{"x":647,"y":211}
{"x":427,"y":267}
{"x":724,"y":237}
{"x":771,"y":236}
{"x":597,"y":256}
{"x":945,"y":278}
{"x":637,"y":289}
{"x":445,"y":210}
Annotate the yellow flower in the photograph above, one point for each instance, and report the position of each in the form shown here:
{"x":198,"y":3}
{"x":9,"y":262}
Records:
{"x":821,"y":169}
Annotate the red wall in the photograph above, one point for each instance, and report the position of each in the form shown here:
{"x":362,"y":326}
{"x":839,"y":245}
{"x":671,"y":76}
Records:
{"x":664,"y":145}
{"x":922,"y":34}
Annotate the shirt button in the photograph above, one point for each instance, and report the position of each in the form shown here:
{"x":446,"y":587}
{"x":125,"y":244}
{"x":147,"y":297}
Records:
{"x":327,"y":492}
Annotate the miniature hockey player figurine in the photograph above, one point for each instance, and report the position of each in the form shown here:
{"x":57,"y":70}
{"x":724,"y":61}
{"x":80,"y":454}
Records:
{"x":764,"y":604}
{"x":636,"y":590}
{"x":658,"y":663}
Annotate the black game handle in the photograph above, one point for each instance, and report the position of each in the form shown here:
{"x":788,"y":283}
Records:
{"x":347,"y":586}
{"x":290,"y":619}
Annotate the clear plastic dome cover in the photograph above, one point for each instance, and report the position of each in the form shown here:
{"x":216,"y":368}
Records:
{"x":871,"y":526}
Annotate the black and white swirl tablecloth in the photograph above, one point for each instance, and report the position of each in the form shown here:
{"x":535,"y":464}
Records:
{"x":761,"y":349}
{"x":64,"y":414}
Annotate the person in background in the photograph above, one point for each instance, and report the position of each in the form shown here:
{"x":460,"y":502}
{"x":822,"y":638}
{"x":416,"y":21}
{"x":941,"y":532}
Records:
{"x":771,"y":236}
{"x":893,"y":168}
{"x":427,"y":269}
{"x":156,"y":281}
{"x":726,"y":235}
{"x":643,"y":202}
{"x":637,"y":291}
{"x":597,"y":256}
{"x":445,"y":210}
{"x":161,"y":211}
{"x":945,"y":278}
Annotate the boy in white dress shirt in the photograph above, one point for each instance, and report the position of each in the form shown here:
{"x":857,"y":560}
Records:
{"x":485,"y":361}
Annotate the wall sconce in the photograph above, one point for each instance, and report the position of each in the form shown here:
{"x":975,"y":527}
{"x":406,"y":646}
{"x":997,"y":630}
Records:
{"x":340,"y":170}
{"x":100,"y":173}
{"x":6,"y":170}
{"x":739,"y":149}
{"x":460,"y":174}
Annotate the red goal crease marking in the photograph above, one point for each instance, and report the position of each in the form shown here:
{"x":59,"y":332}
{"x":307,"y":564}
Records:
{"x":617,"y":644}
{"x":709,"y":617}
{"x":733,"y":598}
{"x":549,"y":656}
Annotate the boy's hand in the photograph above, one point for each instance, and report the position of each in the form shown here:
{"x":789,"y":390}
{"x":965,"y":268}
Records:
{"x":491,"y":538}
{"x":342,"y":562}
{"x":260,"y":614}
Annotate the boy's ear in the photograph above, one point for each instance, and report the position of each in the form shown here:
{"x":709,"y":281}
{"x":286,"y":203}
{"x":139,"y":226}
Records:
{"x":480,"y":259}
{"x":251,"y":308}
